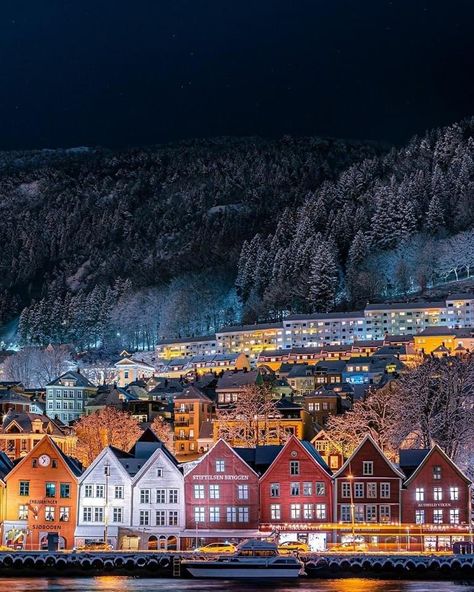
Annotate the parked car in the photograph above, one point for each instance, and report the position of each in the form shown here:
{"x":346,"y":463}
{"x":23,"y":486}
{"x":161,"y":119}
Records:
{"x":95,"y":547}
{"x":289,"y":547}
{"x":218,"y":548}
{"x":357,"y":547}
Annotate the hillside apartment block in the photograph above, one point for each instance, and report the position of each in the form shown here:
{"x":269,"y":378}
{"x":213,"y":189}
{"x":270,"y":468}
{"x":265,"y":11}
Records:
{"x":336,"y":328}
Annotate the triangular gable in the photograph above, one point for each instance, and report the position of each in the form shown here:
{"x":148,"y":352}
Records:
{"x":294,"y":439}
{"x":13,"y":423}
{"x":108,"y":451}
{"x":159,"y":452}
{"x":54,"y":446}
{"x":437,"y":448}
{"x":218,"y":443}
{"x":378,"y":449}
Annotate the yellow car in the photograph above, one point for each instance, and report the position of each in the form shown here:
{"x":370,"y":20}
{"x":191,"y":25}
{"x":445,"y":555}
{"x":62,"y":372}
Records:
{"x":95,"y":547}
{"x":350,"y":548}
{"x":218,"y":548}
{"x":289,"y":547}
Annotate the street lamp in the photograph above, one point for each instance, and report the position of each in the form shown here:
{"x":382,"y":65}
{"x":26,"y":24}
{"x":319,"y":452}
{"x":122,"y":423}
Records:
{"x":106,"y":509}
{"x":351,"y":478}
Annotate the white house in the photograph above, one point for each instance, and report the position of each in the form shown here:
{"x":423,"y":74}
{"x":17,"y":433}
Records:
{"x":104,"y":498}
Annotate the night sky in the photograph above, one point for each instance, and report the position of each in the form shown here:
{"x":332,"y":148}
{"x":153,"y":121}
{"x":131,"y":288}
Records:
{"x":133,"y":72}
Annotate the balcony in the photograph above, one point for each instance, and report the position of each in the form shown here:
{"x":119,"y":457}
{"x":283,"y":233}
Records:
{"x":182,"y":423}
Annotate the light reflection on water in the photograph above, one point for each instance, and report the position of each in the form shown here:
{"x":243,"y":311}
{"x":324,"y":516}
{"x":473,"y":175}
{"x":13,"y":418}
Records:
{"x":124,"y":584}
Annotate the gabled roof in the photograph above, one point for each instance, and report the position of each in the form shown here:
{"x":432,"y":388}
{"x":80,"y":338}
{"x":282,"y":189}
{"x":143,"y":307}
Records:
{"x":301,"y":371}
{"x":221,"y":442}
{"x":410,"y":458}
{"x":133,"y":362}
{"x":369,"y":438}
{"x":6,"y":465}
{"x":115,"y":453}
{"x":436,"y":448}
{"x":149,"y":437}
{"x":24,"y":421}
{"x":191,"y":393}
{"x":307,"y":448}
{"x":161,"y":451}
{"x":79,"y":379}
{"x":259,"y":458}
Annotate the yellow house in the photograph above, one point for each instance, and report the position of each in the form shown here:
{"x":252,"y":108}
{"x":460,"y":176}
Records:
{"x":443,"y":341}
{"x":5,"y":466}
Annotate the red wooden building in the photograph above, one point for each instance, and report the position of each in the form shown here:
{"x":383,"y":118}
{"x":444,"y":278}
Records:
{"x":368,"y":499}
{"x":221,"y":498}
{"x":436,"y":500}
{"x":296,"y":496}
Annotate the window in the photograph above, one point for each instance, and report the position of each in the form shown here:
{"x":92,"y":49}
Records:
{"x":420,"y":494}
{"x":49,"y":513}
{"x":64,"y":513}
{"x":161,"y":496}
{"x":294,"y":489}
{"x":214,"y":491}
{"x":274,"y":490}
{"x":118,"y":492}
{"x":144,"y":517}
{"x":88,"y":491}
{"x":385,"y":490}
{"x":199,"y":514}
{"x":437,"y":493}
{"x":320,"y":511}
{"x":345,"y":513}
{"x":199,"y":492}
{"x":358,"y":490}
{"x":214,"y":514}
{"x":173,"y":496}
{"x":159,"y":472}
{"x":100,"y":490}
{"x":419,"y":516}
{"x":275,"y":512}
{"x":437,"y":516}
{"x":307,"y":488}
{"x":308,"y":511}
{"x":437,"y":472}
{"x":243,"y":514}
{"x":98,"y":514}
{"x":454,"y":516}
{"x":117,"y":515}
{"x":367,"y":467}
{"x":294,"y":467}
{"x":384,"y":512}
{"x":173,"y":518}
{"x":243,"y":492}
{"x":371,"y":489}
{"x":359,"y":513}
{"x":87,"y":514}
{"x":371,"y":513}
{"x":231,"y":514}
{"x":160,"y":516}
{"x":220,"y":466}
{"x":24,"y":488}
{"x":65,"y":490}
{"x":295,"y":511}
{"x":50,"y":489}
{"x":454,"y":494}
{"x":144,"y":496}
{"x":320,"y":488}
{"x":22,"y":512}
{"x":346,"y":489}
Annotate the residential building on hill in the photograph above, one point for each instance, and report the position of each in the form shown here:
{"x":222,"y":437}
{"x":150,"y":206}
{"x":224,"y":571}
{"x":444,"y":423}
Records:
{"x":192,"y":408}
{"x":188,"y":347}
{"x":318,"y":330}
{"x":66,"y":396}
{"x":130,"y":370}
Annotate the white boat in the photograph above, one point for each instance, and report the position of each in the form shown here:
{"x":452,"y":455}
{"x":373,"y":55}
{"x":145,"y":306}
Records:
{"x":253,"y":559}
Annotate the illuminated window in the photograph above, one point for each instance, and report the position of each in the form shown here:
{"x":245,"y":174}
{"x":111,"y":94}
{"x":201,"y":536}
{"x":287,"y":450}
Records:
{"x":214,"y":492}
{"x":275,"y":512}
{"x":437,"y":516}
{"x":420,"y":494}
{"x":420,"y":516}
{"x":454,"y":516}
{"x":454,"y":493}
{"x":437,"y":494}
{"x":320,"y":511}
{"x":295,"y":511}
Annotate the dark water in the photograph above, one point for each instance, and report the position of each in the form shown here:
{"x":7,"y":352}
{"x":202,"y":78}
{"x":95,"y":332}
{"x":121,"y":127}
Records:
{"x":122,"y":584}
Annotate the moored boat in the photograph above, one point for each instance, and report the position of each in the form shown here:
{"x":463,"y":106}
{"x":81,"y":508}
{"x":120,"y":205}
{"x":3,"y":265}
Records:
{"x":253,"y":559}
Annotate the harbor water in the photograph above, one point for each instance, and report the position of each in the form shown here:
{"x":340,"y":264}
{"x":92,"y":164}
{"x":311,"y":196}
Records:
{"x":125,"y":584}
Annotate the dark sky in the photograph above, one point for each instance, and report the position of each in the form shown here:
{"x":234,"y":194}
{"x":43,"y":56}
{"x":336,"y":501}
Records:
{"x":132,"y":72}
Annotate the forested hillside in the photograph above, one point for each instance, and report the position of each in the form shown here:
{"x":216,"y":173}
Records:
{"x":144,"y":244}
{"x":389,"y":226}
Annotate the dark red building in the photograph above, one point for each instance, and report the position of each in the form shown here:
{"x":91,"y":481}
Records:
{"x":368,"y":498}
{"x":221,"y":497}
{"x":296,"y":495}
{"x":436,"y":500}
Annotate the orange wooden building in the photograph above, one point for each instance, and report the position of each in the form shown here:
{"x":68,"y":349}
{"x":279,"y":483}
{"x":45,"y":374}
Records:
{"x":41,"y":498}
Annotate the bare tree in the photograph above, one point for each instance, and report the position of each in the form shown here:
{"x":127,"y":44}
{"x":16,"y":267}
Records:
{"x":164,"y":432}
{"x":107,"y":427}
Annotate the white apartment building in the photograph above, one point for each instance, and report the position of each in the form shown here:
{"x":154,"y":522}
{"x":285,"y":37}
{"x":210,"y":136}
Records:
{"x":321,"y":329}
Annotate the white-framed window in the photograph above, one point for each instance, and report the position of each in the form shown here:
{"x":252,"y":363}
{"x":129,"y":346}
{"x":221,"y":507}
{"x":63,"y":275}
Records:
{"x":345,"y":513}
{"x":118,"y":492}
{"x":159,"y":472}
{"x":144,"y":496}
{"x":437,"y":516}
{"x":214,"y":514}
{"x":98,"y":514}
{"x":385,"y":490}
{"x":49,"y":513}
{"x":243,"y":492}
{"x":117,"y":515}
{"x":87,"y":514}
{"x":359,"y":513}
{"x":320,"y":488}
{"x":308,"y":511}
{"x":274,"y":490}
{"x":454,"y":516}
{"x":320,"y":511}
{"x":367,"y":467}
{"x":294,"y":489}
{"x":454,"y":494}
{"x":161,"y":496}
{"x":275,"y":512}
{"x":346,"y":489}
{"x":214,"y":492}
{"x":358,"y":490}
{"x":160,"y":517}
{"x":199,"y":514}
{"x":22,"y":512}
{"x":437,"y":493}
{"x":420,"y":494}
{"x":294,"y":467}
{"x":384,"y":513}
{"x":231,"y":514}
{"x":198,"y":491}
{"x":243,"y":514}
{"x":371,"y":513}
{"x":437,"y":472}
{"x":372,"y":490}
{"x":295,"y":511}
{"x":419,"y":516}
{"x":173,"y":518}
{"x":172,"y":496}
{"x":307,"y":488}
{"x":220,"y":466}
{"x":88,"y":491}
{"x":100,"y":490}
{"x":144,"y":517}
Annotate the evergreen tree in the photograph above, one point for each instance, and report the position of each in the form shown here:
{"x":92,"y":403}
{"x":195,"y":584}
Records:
{"x":323,"y":278}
